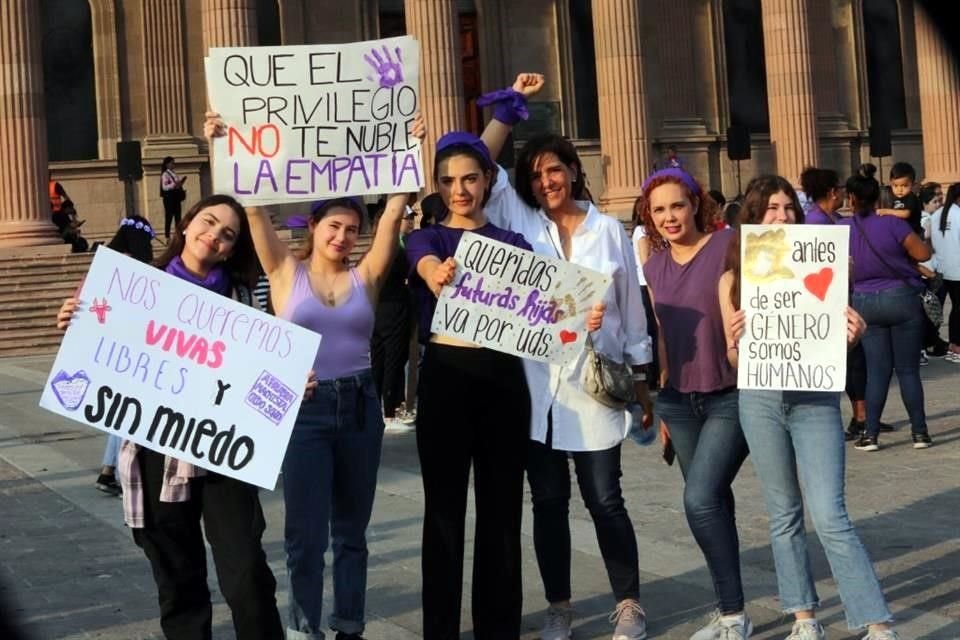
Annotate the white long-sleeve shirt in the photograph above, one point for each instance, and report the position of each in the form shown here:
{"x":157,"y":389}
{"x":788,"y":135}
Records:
{"x":946,"y":244}
{"x":580,"y":423}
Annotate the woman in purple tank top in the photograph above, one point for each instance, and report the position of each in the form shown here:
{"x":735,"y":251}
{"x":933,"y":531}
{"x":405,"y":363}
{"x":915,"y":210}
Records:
{"x":330,"y":470}
{"x":698,"y":397}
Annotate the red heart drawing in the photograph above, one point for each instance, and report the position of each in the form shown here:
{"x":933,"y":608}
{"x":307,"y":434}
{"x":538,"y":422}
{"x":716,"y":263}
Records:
{"x":568,"y":336}
{"x":818,"y":283}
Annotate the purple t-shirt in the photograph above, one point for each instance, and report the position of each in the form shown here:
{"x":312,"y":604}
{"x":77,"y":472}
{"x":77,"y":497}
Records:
{"x":441,"y":241}
{"x":886,"y":234}
{"x":816,"y":215}
{"x":688,"y":307}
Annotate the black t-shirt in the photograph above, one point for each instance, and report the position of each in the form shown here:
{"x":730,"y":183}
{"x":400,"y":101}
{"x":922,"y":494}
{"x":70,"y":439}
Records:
{"x":911,"y":202}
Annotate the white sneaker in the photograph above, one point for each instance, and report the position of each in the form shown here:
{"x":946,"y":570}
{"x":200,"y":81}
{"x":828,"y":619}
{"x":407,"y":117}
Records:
{"x":395,"y":425}
{"x":725,"y":628}
{"x":807,"y":630}
{"x":631,"y":621}
{"x":556,"y":623}
{"x":886,"y":634}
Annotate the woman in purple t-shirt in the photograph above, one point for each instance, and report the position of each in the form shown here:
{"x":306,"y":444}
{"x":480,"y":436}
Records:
{"x":698,"y":400}
{"x":473,"y":409}
{"x":886,"y":285}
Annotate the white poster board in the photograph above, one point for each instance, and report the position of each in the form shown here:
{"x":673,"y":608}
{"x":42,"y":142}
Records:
{"x":181,"y":370}
{"x":307,"y":122}
{"x":794,"y":290}
{"x":516,"y":301}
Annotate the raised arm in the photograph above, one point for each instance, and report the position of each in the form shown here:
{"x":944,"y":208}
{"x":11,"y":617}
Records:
{"x":275,"y":257}
{"x":505,"y":115}
{"x":376,"y":263}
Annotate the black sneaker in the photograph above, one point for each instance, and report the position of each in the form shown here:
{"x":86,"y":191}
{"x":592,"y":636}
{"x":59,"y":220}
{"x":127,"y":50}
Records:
{"x":854,"y":430}
{"x":886,"y":427}
{"x":867,"y":443}
{"x":938,"y":350}
{"x":922,"y":441}
{"x":108,"y":484}
{"x":348,"y":636}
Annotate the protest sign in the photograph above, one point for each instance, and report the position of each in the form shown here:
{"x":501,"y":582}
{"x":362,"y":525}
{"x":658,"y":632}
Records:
{"x":794,"y":290}
{"x":516,"y":301}
{"x":181,"y":370}
{"x":315,"y":121}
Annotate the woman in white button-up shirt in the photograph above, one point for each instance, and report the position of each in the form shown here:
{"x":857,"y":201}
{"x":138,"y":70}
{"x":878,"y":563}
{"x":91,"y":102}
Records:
{"x":547,"y":207}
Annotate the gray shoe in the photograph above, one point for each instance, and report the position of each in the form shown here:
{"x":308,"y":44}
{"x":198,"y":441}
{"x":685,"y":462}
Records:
{"x":631,"y":621}
{"x":556,"y":623}
{"x":807,"y":631}
{"x":725,"y":629}
{"x":886,"y":634}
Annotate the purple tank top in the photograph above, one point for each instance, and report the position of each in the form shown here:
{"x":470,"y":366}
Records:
{"x":688,"y":307}
{"x":346,"y":328}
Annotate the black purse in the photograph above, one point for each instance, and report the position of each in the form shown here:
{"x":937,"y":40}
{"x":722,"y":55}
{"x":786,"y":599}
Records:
{"x":929,"y":300}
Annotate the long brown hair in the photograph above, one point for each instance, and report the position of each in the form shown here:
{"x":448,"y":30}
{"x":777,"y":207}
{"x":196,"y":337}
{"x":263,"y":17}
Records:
{"x":707,"y":210}
{"x":754,"y":209}
{"x":242,"y":264}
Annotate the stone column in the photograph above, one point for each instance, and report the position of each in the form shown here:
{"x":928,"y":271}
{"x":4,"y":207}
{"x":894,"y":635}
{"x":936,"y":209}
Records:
{"x":793,"y":118}
{"x":624,"y":145}
{"x":24,"y":203}
{"x":167,"y":106}
{"x":939,"y":102}
{"x":229,"y":23}
{"x":434,"y":23}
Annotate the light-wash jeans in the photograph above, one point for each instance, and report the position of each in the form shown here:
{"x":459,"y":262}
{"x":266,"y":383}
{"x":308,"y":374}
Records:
{"x":329,"y":482}
{"x":796,"y":439}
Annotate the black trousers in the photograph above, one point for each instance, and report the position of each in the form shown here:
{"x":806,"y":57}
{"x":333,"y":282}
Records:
{"x":171,"y":213}
{"x":389,"y":351}
{"x":173,"y":542}
{"x":474,"y":409}
{"x":856,"y":386}
{"x":598,"y":475}
{"x":953,"y":322}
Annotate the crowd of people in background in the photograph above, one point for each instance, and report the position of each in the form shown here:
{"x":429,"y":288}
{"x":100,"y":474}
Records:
{"x":677,"y":277}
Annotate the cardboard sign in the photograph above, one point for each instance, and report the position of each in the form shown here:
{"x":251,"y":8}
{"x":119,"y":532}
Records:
{"x":181,"y":370}
{"x":794,"y":289}
{"x":516,"y":301}
{"x":316,"y":121}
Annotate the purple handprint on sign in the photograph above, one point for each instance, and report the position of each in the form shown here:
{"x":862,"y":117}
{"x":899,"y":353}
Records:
{"x":390,"y":72}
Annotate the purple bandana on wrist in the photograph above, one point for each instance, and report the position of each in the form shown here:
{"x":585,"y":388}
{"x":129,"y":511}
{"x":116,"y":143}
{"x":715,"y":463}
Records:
{"x":676,"y":173}
{"x":510,"y":106}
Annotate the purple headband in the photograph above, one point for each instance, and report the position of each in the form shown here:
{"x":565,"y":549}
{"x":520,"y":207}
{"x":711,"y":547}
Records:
{"x":467,"y":139}
{"x":320,"y":204}
{"x":676,"y":173}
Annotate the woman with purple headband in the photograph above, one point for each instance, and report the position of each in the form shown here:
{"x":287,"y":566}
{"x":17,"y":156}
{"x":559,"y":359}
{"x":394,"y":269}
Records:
{"x":551,"y":208}
{"x":698,"y":396}
{"x":330,"y":470}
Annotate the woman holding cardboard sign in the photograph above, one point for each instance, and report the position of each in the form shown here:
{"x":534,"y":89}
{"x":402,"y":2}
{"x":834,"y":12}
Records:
{"x":459,"y":428}
{"x":551,"y":208}
{"x":330,"y":471}
{"x":164,"y":499}
{"x":796,"y":439}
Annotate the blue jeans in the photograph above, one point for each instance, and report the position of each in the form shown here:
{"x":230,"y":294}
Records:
{"x":705,"y":431}
{"x":111,"y":452}
{"x":796,"y":439}
{"x":329,"y":481}
{"x":894,"y":338}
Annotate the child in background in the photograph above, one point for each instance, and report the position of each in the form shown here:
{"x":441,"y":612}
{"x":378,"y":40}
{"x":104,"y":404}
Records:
{"x":904,"y":203}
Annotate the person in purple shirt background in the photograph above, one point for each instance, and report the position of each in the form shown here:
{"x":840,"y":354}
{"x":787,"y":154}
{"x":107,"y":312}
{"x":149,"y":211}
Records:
{"x":886,"y":287}
{"x":826,"y":194}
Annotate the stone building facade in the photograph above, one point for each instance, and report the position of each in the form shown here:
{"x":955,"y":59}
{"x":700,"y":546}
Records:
{"x":626,"y":79}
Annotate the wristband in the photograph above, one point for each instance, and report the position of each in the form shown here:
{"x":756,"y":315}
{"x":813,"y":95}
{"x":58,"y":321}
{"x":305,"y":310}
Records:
{"x":510,"y":106}
{"x":640,"y":376}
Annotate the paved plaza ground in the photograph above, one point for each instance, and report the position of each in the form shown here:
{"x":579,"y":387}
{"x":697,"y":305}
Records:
{"x":73,"y":572}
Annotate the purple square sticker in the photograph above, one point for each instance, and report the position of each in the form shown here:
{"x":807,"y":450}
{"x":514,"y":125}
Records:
{"x":270,"y":397}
